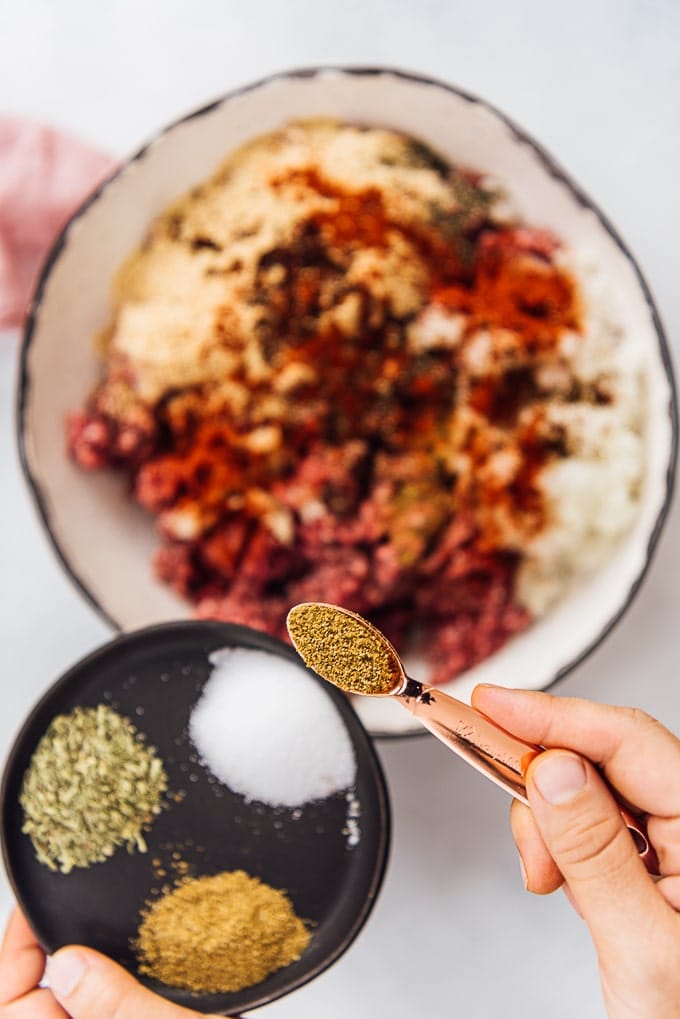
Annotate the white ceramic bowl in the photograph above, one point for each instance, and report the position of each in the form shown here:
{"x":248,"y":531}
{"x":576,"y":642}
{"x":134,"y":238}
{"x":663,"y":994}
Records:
{"x":106,"y":542}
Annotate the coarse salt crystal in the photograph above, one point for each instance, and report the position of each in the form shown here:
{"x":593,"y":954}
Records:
{"x":269,"y":732}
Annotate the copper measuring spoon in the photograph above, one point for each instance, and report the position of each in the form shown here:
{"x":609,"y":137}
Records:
{"x":493,"y":751}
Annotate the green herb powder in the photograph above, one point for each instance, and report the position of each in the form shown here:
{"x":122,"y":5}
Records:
{"x":91,"y":786}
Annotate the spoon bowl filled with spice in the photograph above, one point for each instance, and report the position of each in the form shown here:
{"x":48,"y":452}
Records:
{"x":192,"y":801}
{"x":353,"y":655}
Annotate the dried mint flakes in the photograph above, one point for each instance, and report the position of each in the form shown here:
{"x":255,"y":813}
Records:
{"x":91,"y":785}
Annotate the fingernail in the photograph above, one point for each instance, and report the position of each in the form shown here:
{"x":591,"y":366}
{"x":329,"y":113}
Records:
{"x":64,"y":972}
{"x":523,"y":872}
{"x":559,"y":777}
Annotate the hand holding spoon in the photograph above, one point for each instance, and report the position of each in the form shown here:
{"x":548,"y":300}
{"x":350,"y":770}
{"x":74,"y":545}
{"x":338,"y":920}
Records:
{"x":348,"y":651}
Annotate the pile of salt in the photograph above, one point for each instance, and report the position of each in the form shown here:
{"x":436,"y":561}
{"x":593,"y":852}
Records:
{"x":270,"y":733}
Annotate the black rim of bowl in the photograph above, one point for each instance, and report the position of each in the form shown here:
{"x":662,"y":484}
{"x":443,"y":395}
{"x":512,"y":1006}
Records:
{"x":201,"y":633}
{"x":552,"y":168}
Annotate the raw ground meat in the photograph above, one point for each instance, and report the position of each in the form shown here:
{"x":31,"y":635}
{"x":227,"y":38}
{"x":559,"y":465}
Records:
{"x":330,"y":376}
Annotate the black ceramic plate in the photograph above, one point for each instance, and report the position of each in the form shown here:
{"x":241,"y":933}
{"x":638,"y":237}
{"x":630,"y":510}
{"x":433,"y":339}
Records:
{"x":154,"y":676}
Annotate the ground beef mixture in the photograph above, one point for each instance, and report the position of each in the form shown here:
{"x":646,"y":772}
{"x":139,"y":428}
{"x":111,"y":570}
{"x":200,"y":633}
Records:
{"x":326,"y":376}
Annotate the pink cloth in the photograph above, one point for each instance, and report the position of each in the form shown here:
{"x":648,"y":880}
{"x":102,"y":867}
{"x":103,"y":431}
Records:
{"x":44,"y":175}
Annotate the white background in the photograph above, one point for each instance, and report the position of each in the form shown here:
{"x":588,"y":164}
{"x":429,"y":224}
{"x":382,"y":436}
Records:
{"x":599,"y":84}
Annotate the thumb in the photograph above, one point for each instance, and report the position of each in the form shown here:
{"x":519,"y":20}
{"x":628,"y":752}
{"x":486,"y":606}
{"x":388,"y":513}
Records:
{"x":90,"y":986}
{"x":584,"y":833}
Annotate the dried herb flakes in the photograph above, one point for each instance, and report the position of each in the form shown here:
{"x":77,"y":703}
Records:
{"x":92,"y":785}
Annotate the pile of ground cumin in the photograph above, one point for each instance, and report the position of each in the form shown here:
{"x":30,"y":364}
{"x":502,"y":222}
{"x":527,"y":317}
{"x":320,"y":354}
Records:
{"x":219,"y":933}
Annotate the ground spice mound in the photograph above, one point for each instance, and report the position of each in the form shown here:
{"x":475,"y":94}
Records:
{"x":344,"y":649}
{"x":219,"y":933}
{"x":91,"y":786}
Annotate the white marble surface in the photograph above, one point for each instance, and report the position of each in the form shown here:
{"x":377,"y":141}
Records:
{"x":598,"y":82}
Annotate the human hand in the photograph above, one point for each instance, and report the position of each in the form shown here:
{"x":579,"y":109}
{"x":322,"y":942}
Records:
{"x":573,"y":835}
{"x":83,"y":984}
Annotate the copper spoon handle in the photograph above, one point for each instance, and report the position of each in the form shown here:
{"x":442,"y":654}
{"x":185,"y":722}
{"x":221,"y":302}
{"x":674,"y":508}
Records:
{"x":496,"y":753}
